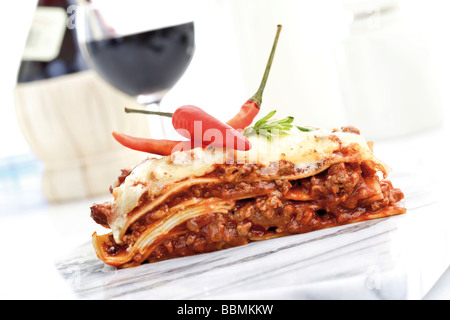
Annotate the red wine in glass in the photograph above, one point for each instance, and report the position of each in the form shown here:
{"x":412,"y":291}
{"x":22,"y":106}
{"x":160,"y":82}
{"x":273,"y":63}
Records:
{"x":147,"y":63}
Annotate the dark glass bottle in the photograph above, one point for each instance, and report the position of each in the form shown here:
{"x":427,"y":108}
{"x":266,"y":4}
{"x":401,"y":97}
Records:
{"x":51,"y":49}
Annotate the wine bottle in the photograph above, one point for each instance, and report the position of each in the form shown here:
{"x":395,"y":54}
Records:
{"x":67,"y":112}
{"x":51,"y":49}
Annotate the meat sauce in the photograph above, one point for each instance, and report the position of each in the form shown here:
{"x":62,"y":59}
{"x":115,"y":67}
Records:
{"x":343,"y":193}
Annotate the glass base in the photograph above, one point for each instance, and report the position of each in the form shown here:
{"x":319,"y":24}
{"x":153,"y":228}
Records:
{"x":152,"y":102}
{"x":150,"y":98}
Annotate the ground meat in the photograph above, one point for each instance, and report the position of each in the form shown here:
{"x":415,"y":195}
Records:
{"x":351,"y":129}
{"x":342,"y":178}
{"x":341,"y":193}
{"x":207,"y":233}
{"x":137,"y":230}
{"x":390,"y":195}
{"x":227,"y":190}
{"x":248,"y":172}
{"x":100,"y":213}
{"x":120,"y":179}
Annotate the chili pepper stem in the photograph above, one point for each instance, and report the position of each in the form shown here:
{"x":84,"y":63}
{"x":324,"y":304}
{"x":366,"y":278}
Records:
{"x":162,"y":114}
{"x":257,"y":98}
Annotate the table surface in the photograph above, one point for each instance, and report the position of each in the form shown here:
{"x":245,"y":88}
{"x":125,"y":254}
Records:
{"x":403,"y":257}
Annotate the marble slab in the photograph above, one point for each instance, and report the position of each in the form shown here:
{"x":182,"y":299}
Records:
{"x":399,"y":257}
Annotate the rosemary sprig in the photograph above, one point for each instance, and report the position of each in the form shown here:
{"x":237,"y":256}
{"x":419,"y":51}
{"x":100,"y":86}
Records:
{"x":305,"y":129}
{"x":269,"y":128}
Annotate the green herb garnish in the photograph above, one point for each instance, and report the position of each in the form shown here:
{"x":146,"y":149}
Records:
{"x":305,"y":129}
{"x":267,"y":128}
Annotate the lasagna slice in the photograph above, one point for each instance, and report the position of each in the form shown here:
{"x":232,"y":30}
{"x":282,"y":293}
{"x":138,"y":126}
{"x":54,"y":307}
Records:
{"x":201,"y":201}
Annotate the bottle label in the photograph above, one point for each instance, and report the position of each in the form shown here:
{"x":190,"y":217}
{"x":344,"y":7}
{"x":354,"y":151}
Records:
{"x":46,"y":34}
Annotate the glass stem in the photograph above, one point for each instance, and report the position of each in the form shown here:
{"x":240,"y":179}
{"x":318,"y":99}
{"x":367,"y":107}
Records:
{"x":157,"y":107}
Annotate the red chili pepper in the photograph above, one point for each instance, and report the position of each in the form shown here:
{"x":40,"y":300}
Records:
{"x":203,"y":129}
{"x":250,"y":109}
{"x":155,"y":146}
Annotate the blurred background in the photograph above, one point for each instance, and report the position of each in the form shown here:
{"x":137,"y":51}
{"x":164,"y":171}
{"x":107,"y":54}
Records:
{"x":380,"y":65}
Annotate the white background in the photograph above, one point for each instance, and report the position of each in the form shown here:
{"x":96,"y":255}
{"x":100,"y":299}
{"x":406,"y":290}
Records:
{"x":215,"y":75}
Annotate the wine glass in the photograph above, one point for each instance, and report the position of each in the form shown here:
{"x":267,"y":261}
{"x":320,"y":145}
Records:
{"x":141,"y":47}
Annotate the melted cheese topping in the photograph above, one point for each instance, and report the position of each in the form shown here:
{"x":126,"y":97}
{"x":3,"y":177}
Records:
{"x":304,"y":149}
